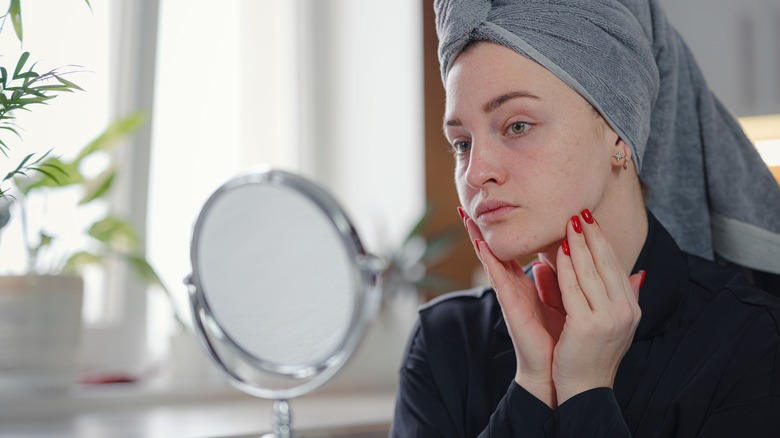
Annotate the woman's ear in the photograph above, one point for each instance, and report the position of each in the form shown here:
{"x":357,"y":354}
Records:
{"x":621,"y":154}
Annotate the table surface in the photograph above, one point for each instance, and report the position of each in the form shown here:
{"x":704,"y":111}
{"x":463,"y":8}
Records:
{"x":188,"y":413}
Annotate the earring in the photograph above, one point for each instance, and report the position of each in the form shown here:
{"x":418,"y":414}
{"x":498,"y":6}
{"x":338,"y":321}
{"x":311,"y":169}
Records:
{"x":619,"y":156}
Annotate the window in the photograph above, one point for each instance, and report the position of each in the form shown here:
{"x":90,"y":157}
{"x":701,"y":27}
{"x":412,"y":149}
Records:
{"x":304,"y":85}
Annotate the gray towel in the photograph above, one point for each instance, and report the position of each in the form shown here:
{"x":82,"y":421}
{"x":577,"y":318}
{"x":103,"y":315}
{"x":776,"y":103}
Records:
{"x":709,"y":187}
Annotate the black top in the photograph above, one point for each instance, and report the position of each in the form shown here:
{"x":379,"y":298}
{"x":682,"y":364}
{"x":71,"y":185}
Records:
{"x":704,"y":362}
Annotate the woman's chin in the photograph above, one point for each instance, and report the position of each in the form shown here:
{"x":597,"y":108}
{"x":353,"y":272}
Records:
{"x":505,"y":250}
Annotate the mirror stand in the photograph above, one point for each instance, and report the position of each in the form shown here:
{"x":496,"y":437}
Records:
{"x":281,"y":421}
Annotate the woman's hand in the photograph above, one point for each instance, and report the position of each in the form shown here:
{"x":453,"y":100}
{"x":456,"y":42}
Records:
{"x":571,"y":329}
{"x":602,"y":310}
{"x":533,"y":326}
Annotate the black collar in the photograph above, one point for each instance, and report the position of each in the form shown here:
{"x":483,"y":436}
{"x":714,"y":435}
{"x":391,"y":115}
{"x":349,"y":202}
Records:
{"x":666,"y":278}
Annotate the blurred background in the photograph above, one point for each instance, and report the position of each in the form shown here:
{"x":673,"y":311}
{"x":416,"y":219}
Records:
{"x":344,"y":92}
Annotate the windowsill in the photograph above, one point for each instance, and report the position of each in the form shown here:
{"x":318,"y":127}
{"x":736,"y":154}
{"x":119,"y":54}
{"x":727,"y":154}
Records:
{"x":55,"y":403}
{"x":205,"y":409}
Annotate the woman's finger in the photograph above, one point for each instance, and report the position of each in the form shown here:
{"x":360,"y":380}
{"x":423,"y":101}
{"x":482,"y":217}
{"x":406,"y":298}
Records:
{"x":547,"y":285}
{"x":636,"y":281}
{"x":473,"y":231}
{"x":589,"y":279}
{"x":574,"y":301}
{"x":605,"y":262}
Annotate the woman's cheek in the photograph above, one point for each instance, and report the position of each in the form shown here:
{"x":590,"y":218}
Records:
{"x":463,"y":190}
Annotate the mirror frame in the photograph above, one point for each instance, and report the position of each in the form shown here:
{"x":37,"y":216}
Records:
{"x":365,"y":271}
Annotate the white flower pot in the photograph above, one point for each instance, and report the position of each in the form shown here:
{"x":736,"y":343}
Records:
{"x":40,"y":328}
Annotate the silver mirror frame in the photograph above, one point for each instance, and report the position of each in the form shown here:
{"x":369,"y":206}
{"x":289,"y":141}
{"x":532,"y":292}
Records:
{"x":366,"y":272}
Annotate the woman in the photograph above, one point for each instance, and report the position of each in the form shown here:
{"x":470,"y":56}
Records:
{"x":554,"y":111}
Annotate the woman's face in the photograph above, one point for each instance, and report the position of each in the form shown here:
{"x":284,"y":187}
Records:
{"x":529,"y":151}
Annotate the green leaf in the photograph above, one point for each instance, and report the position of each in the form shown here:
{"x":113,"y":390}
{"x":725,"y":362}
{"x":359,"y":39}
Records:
{"x":89,"y":5}
{"x":67,"y":83}
{"x":12,"y":129}
{"x":38,"y":91}
{"x":20,"y":168}
{"x":47,"y":173}
{"x":24,"y":161}
{"x":4,"y":76}
{"x":28,"y":77}
{"x":52,"y":172}
{"x":113,"y":232}
{"x":44,"y":241}
{"x":143,"y":269}
{"x":98,"y":187}
{"x":20,"y":64}
{"x":42,"y":157}
{"x":16,"y":17}
{"x":78,"y":260}
{"x":111,"y":136}
{"x":34,"y":100}
{"x":30,"y":100}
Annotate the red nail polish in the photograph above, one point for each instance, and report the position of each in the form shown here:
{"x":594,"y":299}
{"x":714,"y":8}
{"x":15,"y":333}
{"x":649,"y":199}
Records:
{"x":575,"y":222}
{"x":565,"y":246}
{"x":642,"y":279}
{"x":587,"y":216}
{"x":536,"y":263}
{"x":462,"y":214}
{"x":476,"y":243}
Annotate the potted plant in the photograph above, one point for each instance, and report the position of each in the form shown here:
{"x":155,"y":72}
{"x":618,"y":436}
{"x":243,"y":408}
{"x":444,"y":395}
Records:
{"x":40,"y":308}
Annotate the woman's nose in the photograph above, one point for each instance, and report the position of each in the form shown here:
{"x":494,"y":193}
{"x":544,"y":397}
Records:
{"x":485,"y":165}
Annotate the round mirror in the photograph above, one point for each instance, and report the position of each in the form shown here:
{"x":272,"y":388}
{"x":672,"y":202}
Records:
{"x":282,"y":290}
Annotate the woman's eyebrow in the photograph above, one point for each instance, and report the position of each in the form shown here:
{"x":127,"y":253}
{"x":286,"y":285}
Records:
{"x":497,"y":101}
{"x":494,"y":103}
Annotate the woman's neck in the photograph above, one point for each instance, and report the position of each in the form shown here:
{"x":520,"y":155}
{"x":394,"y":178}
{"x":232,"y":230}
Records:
{"x":623,"y":218}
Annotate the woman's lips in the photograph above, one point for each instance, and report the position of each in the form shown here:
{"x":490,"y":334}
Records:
{"x":492,"y":211}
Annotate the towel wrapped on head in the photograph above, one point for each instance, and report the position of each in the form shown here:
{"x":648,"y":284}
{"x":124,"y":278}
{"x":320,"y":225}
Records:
{"x":709,"y":187}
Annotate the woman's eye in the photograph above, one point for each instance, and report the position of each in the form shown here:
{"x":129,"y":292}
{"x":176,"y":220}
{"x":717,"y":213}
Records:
{"x":461,"y":147}
{"x":517,"y":128}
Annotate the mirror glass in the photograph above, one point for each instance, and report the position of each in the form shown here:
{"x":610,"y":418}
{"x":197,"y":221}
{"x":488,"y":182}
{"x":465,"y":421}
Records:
{"x":276,"y":275}
{"x":282,"y":288}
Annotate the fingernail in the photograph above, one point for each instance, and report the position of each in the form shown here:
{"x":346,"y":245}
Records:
{"x":642,"y":279}
{"x":587,"y":216}
{"x":462,"y":214}
{"x":575,"y":222}
{"x":536,"y":263}
{"x":565,"y":246}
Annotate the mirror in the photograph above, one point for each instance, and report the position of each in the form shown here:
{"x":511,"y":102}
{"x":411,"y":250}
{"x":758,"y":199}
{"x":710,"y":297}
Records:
{"x":281,"y":289}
